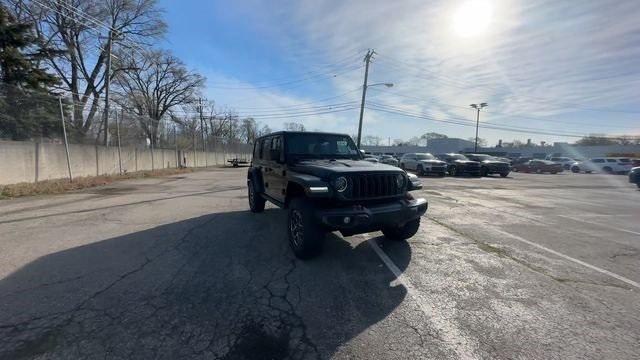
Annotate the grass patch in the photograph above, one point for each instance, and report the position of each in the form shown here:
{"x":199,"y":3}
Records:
{"x":58,"y":186}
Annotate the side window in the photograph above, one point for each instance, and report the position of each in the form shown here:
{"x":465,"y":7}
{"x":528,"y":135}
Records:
{"x":275,"y":146}
{"x":264,"y":144}
{"x":611,"y":160}
{"x":256,"y":149}
{"x":598,"y":160}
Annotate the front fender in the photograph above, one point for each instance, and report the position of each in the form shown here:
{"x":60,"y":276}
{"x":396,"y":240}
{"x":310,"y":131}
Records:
{"x":313,"y":186}
{"x":256,"y":178}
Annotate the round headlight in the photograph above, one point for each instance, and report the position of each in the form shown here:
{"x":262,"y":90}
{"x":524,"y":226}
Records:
{"x":400,"y":181}
{"x":341,"y":184}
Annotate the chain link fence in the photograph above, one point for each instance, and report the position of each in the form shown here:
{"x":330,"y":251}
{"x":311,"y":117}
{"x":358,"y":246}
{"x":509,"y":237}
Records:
{"x":43,"y":136}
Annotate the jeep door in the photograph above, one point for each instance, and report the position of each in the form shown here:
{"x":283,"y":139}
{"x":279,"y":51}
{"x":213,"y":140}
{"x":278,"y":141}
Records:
{"x":273,"y":171}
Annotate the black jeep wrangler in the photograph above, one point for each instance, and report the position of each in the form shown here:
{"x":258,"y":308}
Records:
{"x":323,"y":181}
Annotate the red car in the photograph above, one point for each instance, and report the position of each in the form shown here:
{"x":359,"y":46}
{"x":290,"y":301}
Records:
{"x":538,"y":166}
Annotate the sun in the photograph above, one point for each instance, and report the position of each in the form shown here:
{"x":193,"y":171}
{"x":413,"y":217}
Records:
{"x":472,"y":18}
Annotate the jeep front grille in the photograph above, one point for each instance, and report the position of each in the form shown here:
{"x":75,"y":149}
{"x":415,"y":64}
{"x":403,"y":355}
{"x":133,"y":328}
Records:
{"x":372,"y":186}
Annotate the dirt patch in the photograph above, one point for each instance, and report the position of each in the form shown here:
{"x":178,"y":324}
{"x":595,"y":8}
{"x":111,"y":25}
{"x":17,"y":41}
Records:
{"x":63,"y":185}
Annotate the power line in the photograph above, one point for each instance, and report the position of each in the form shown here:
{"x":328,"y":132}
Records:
{"x":328,"y":69}
{"x":466,"y":85}
{"x":511,"y":115}
{"x":310,"y":78}
{"x":464,"y":122}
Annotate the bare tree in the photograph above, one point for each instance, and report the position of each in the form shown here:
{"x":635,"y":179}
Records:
{"x":371,"y":140}
{"x":293,"y":126}
{"x":156,"y":83}
{"x":77,"y":32}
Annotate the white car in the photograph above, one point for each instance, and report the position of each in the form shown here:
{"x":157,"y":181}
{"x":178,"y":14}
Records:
{"x":609,"y":165}
{"x":423,"y":164}
{"x":564,"y":161}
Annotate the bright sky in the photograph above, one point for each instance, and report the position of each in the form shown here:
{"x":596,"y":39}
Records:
{"x":550,"y":67}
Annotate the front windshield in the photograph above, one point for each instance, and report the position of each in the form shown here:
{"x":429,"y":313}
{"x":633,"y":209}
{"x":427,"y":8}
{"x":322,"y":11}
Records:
{"x":321,"y":146}
{"x":459,"y":157}
{"x":424,"y":157}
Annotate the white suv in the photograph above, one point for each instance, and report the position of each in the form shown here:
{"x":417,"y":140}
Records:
{"x":607,"y":165}
{"x":423,"y":164}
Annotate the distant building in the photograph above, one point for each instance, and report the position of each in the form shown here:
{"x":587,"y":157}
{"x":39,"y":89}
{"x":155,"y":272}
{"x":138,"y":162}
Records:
{"x":435,"y":146}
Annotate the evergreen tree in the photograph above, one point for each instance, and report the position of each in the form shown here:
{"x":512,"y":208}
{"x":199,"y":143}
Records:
{"x":27,"y":109}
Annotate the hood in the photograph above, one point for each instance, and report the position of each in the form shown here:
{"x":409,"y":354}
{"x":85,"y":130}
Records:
{"x":323,"y":168}
{"x":495,"y":162}
{"x":458,"y":161}
{"x":433,"y":162}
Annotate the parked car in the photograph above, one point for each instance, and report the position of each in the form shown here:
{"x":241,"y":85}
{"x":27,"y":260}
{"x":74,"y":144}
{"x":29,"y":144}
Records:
{"x":423,"y":164}
{"x":389,"y":160}
{"x":609,"y":165}
{"x":520,"y":160}
{"x":490,"y":165}
{"x":325,"y":185}
{"x":458,"y":164}
{"x":538,"y":166}
{"x":634,"y":176}
{"x":566,"y":162}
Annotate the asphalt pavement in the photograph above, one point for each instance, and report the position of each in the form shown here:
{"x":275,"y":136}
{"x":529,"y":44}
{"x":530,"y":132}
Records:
{"x":529,"y":266}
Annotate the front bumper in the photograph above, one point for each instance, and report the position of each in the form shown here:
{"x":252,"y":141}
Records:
{"x":497,"y":169}
{"x":363,"y":219}
{"x":435,"y":170}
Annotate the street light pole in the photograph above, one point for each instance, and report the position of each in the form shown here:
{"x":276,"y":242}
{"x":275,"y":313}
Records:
{"x":477,"y":107}
{"x":367,"y":60}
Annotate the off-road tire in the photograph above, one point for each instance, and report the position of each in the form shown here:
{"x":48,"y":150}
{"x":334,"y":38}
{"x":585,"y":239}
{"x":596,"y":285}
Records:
{"x":256,"y":202}
{"x":404,"y":232}
{"x":304,"y":234}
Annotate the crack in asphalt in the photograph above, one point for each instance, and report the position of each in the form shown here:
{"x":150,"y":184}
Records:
{"x":502,"y":253}
{"x":74,"y":212}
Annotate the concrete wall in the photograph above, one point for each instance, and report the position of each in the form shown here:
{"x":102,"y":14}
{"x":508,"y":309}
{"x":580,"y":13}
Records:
{"x":23,"y":161}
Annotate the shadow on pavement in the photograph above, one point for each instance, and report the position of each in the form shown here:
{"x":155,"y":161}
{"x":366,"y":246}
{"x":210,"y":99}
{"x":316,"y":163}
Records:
{"x":222,"y":285}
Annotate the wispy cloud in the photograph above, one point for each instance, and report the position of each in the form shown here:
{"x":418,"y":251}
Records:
{"x":548,"y":59}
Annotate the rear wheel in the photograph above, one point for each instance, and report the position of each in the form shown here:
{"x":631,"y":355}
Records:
{"x":256,"y":202}
{"x":402,"y":232}
{"x":554,"y":172}
{"x":453,"y":171}
{"x":305,"y":236}
{"x":484,"y":172}
{"x":607,"y":169}
{"x":421,"y":170}
{"x":575,"y":169}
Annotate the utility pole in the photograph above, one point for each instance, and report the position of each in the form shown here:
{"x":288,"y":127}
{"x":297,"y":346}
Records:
{"x":367,"y":60}
{"x":202,"y":130}
{"x":118,"y":135}
{"x":478,"y":107}
{"x":107,"y":79}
